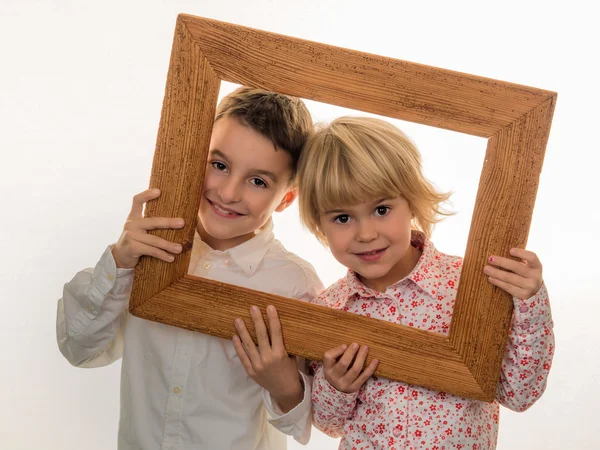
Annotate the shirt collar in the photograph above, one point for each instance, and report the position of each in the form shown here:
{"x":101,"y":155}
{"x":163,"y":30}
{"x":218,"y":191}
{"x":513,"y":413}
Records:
{"x":423,"y":274}
{"x":248,"y":255}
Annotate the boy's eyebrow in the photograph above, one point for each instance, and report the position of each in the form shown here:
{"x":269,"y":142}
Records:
{"x":218,"y":153}
{"x":271,"y":175}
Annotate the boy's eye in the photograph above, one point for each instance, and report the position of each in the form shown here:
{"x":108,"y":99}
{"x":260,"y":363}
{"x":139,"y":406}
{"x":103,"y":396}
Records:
{"x":342,"y":218}
{"x":219,"y":165}
{"x":258,"y":183}
{"x":382,"y":210}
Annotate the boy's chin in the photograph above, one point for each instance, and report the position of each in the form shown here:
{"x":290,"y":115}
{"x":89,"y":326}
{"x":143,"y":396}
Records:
{"x":216,"y":233}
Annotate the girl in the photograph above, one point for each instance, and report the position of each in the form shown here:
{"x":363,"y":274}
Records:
{"x":363,"y":194}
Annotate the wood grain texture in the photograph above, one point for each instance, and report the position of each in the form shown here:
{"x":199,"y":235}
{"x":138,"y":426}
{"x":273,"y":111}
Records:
{"x":179,"y":159}
{"x":516,"y":119}
{"x":390,"y":87}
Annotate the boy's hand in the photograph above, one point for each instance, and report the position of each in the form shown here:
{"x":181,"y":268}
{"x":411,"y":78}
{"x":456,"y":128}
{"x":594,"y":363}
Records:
{"x":135,"y":240}
{"x":269,"y":364}
{"x":520,"y":279}
{"x":343,"y":367}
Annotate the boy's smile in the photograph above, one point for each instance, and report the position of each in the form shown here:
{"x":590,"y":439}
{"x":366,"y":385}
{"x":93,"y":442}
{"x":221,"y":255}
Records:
{"x":221,"y":211}
{"x":246,"y":180}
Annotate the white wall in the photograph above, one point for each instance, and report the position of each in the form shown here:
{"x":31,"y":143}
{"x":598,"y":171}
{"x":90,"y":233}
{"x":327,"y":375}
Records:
{"x":81,"y":86}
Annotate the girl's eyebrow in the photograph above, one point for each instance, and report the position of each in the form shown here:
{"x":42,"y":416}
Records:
{"x":219,"y":154}
{"x":335,"y":211}
{"x":381,"y":200}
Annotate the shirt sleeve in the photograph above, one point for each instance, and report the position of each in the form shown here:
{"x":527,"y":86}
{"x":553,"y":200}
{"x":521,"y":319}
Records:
{"x":331,"y":408}
{"x":298,"y":421}
{"x":91,"y":314}
{"x":529,"y":353}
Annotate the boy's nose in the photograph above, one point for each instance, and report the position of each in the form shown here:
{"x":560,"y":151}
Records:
{"x":230,"y":191}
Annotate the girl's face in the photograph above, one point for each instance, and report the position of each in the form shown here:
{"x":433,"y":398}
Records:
{"x":373,"y":239}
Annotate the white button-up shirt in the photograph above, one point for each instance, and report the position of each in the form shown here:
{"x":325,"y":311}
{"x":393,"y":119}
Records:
{"x":180,"y":389}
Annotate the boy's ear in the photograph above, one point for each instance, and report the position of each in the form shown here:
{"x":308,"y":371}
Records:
{"x":288,"y":199}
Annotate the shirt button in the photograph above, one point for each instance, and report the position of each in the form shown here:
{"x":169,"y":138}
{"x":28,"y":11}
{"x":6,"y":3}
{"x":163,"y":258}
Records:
{"x":523,"y":308}
{"x":111,"y":277}
{"x":206,"y":265}
{"x":397,"y":431}
{"x":227,"y":263}
{"x":176,"y":390}
{"x":90,"y":308}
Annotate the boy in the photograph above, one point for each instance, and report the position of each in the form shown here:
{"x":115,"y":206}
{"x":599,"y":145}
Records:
{"x":180,"y":389}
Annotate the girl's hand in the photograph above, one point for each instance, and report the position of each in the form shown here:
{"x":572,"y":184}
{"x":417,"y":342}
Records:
{"x":269,"y":364}
{"x":520,"y":279}
{"x":343,"y":367}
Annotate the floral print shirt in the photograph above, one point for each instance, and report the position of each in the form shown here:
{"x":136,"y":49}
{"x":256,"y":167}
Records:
{"x":386,"y":414}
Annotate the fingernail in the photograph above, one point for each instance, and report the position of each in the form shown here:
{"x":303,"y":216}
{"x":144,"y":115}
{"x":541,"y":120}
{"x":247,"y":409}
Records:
{"x":271,"y":308}
{"x":344,"y":346}
{"x":254,"y":309}
{"x":177,"y":248}
{"x":156,"y":191}
{"x":171,"y":258}
{"x":179,"y":222}
{"x":237,"y":322}
{"x":491,"y":259}
{"x":354,"y":346}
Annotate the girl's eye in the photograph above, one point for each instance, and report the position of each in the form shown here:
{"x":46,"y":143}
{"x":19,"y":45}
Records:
{"x":258,"y":183}
{"x":219,"y":166}
{"x":382,"y":210}
{"x":342,"y":218}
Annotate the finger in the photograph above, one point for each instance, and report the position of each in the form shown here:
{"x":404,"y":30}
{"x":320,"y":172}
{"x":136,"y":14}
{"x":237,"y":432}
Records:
{"x":330,"y":357}
{"x":346,"y":360}
{"x":241,"y":352}
{"x":153,"y":241}
{"x":262,"y":335}
{"x":507,"y":277}
{"x":364,"y":376}
{"x":138,"y":249}
{"x":510,"y":264}
{"x":247,"y":341}
{"x":275,"y":327}
{"x":531,"y":258}
{"x":137,"y":206}
{"x":155,"y":223}
{"x":512,"y":290}
{"x":357,"y":365}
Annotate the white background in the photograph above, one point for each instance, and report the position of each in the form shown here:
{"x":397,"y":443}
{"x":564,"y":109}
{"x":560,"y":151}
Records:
{"x":81,"y":88}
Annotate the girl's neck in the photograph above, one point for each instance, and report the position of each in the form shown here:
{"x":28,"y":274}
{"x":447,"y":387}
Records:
{"x":398,"y":272}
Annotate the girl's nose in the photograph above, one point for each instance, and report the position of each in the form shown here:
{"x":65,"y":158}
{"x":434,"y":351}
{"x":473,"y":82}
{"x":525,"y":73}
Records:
{"x":367,"y":232}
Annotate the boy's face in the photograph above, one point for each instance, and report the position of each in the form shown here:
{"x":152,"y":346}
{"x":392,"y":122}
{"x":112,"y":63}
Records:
{"x":246,"y":180}
{"x":373,"y":239}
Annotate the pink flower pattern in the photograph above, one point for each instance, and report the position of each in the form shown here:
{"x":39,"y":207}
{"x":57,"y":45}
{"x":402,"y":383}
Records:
{"x":386,"y":414}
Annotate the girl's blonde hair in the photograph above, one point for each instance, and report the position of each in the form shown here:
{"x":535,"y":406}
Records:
{"x":356,"y":159}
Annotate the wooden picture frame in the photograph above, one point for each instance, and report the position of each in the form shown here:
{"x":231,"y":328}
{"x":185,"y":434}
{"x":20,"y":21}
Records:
{"x":515,"y":119}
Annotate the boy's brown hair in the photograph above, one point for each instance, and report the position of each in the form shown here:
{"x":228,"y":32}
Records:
{"x":282,"y":119}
